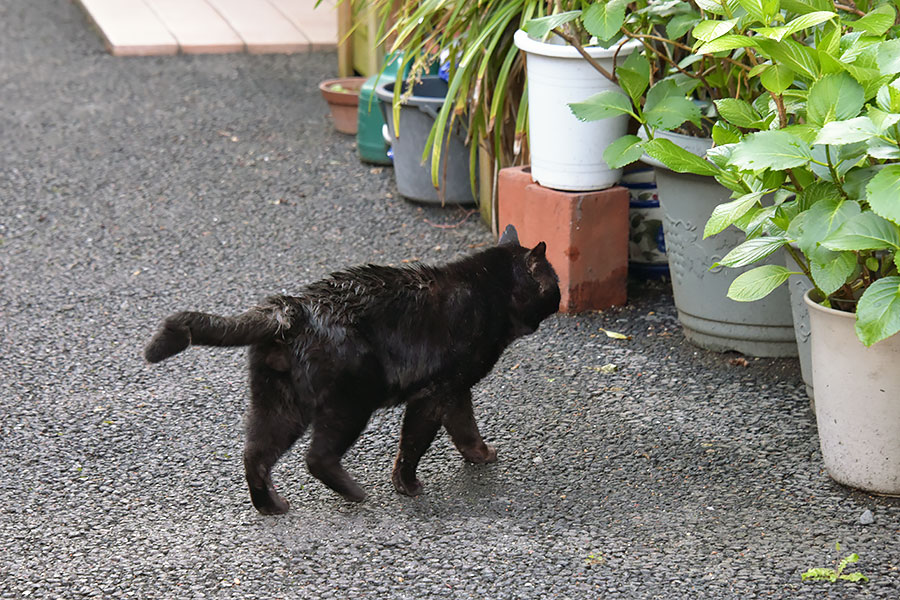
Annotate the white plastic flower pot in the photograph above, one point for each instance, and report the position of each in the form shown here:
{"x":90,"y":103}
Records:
{"x":567,"y":154}
{"x":857,"y":402}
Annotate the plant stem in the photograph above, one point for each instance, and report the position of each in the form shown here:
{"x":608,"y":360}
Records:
{"x":797,"y":187}
{"x":834,"y":173}
{"x":574,"y":43}
{"x":782,"y":114}
{"x":850,"y":9}
{"x":683,"y":47}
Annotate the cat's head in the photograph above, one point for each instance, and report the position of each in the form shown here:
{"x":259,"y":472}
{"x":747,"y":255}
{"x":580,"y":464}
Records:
{"x":535,"y":293}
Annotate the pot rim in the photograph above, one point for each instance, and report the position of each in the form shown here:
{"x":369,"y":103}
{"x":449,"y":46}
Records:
{"x":812,"y":304}
{"x":382,"y":93}
{"x":688,"y":142}
{"x":353,"y":85}
{"x":533,"y":46}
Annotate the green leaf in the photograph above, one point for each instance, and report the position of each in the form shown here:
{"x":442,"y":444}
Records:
{"x":623,"y":151}
{"x":738,"y":112}
{"x":753,"y":250}
{"x":727,"y":213}
{"x":727,"y":42}
{"x":664,"y":88}
{"x":681,"y":24}
{"x":819,"y":574}
{"x":798,"y":24}
{"x":875,"y":22}
{"x":540,"y":28}
{"x":802,"y":7}
{"x":716,"y":7}
{"x":883,"y":193}
{"x":677,"y":158}
{"x":634,"y":75}
{"x":838,"y":133}
{"x":707,"y":31}
{"x":604,"y":20}
{"x":865,"y":231}
{"x":605,"y":104}
{"x":757,"y":283}
{"x":888,"y":57}
{"x":810,"y":20}
{"x":888,"y":98}
{"x":854,"y":577}
{"x":883,"y":120}
{"x":820,"y":190}
{"x":756,"y":9}
{"x":882,"y":149}
{"x":825,"y":216}
{"x":830,"y":270}
{"x":730,"y":180}
{"x":725,"y":133}
{"x":797,"y":57}
{"x":834,"y":97}
{"x":771,"y":150}
{"x":671,"y":112}
{"x":878,"y":311}
{"x":777,"y":78}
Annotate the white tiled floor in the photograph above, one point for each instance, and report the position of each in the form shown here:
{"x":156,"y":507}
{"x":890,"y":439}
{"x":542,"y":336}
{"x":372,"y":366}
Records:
{"x":148,"y":27}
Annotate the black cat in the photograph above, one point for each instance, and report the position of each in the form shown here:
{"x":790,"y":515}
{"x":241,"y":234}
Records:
{"x":373,"y":337}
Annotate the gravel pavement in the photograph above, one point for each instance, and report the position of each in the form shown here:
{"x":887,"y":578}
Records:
{"x":132,"y":187}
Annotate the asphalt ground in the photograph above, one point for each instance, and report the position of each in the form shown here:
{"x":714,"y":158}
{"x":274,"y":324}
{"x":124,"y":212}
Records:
{"x":133,"y":187}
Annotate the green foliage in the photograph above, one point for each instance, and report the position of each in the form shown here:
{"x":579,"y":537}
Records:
{"x":487,"y":72}
{"x":802,"y":100}
{"x":834,"y":575}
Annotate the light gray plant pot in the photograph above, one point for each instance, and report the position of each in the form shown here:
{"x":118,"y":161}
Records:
{"x":418,"y":113}
{"x":710,"y":319}
{"x":798,"y":285}
{"x":857,"y":402}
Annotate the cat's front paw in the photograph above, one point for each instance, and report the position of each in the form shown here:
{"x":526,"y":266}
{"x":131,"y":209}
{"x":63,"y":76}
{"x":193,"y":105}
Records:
{"x":481,"y":455}
{"x":407,"y":487}
{"x":274,"y":505}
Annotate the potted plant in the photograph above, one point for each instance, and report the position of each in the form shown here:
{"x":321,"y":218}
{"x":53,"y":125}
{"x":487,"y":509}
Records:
{"x":486,"y":79}
{"x":570,"y":57}
{"x":671,"y":92}
{"x":342,"y":96}
{"x":823,"y":138}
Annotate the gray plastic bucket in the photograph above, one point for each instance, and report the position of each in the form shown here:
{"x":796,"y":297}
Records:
{"x":417,"y":116}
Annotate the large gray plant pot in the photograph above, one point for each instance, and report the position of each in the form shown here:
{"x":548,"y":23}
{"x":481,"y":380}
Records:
{"x":710,"y":319}
{"x":798,"y":285}
{"x":417,"y":116}
{"x":857,"y":402}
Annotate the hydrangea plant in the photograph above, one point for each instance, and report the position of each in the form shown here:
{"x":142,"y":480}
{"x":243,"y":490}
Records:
{"x":809,"y":146}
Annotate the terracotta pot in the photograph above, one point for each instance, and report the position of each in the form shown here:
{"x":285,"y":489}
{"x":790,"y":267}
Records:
{"x":343,"y":102}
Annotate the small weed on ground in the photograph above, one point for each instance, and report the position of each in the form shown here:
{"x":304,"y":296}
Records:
{"x":833,"y":575}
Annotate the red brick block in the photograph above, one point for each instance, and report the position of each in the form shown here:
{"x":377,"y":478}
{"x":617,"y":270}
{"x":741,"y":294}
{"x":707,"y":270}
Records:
{"x":586,"y":235}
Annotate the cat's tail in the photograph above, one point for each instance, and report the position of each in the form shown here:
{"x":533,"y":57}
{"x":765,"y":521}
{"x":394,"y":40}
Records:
{"x":178,"y":331}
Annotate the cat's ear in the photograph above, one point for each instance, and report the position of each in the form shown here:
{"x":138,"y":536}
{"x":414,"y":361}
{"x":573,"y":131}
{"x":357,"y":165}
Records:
{"x":509,"y":236}
{"x":539,"y":251}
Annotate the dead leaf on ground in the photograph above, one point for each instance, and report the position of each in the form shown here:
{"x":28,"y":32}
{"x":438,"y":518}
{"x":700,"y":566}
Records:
{"x":615,"y":335}
{"x":738,"y":362}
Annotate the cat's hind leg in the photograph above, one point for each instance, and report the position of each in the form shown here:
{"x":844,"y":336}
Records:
{"x":274,"y":422}
{"x":336,"y":427}
{"x":421,"y":422}
{"x":459,"y":421}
